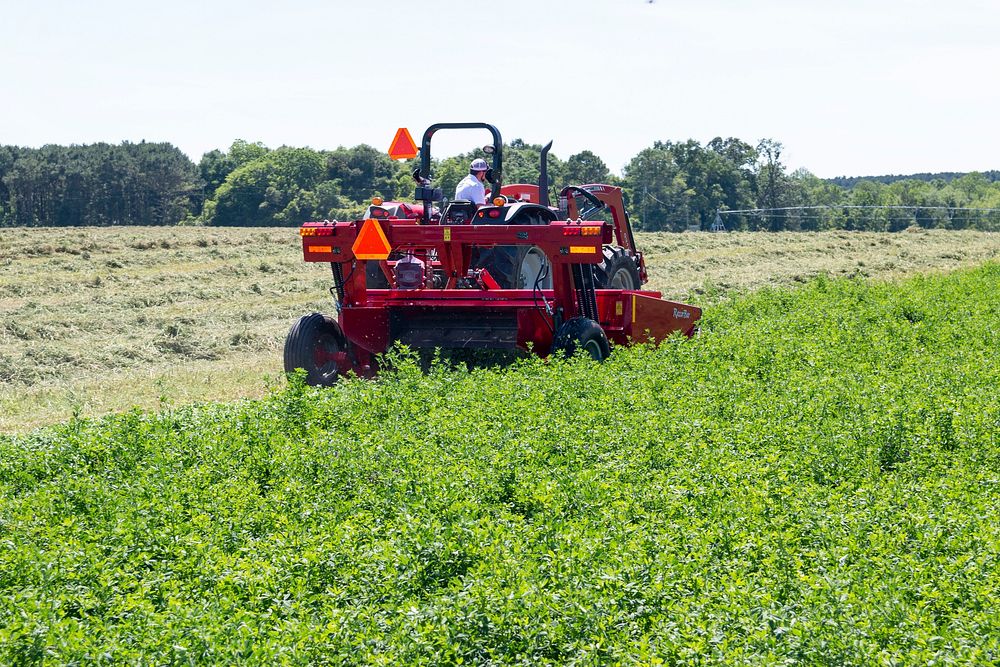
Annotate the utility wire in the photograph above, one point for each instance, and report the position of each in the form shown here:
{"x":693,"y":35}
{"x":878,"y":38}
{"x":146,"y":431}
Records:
{"x":830,"y":207}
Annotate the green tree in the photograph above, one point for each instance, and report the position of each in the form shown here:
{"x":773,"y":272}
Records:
{"x":655,"y":187}
{"x":168,"y":181}
{"x":241,"y":152}
{"x":8,"y":156}
{"x":214,"y":166}
{"x":522,"y":164}
{"x":446,"y":173}
{"x":732,"y":179}
{"x":100,"y":184}
{"x":820,"y":193}
{"x":772,"y":182}
{"x":269,"y":190}
{"x":364,"y":172}
{"x":586,"y":167}
{"x":868,"y":194}
{"x":324,"y":202}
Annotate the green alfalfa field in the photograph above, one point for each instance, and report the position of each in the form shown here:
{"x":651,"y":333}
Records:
{"x":814,"y":479}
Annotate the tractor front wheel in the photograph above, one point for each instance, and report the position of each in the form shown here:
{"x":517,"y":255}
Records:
{"x":316,"y":344}
{"x":582,"y":333}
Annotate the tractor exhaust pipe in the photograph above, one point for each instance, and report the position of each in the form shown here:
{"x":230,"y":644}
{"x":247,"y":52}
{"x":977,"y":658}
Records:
{"x":543,"y":177}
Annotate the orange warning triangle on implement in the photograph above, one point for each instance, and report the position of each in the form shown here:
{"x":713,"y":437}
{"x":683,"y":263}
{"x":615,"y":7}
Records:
{"x":402,"y":147}
{"x":371,"y":242}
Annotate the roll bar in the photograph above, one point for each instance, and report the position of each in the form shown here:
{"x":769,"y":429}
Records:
{"x":425,"y":150}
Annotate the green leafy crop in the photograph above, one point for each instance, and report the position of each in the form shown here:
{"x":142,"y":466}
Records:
{"x":814,"y":479}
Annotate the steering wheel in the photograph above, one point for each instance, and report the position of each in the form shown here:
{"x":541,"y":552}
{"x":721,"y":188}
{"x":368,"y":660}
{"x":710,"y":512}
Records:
{"x":596,"y":204}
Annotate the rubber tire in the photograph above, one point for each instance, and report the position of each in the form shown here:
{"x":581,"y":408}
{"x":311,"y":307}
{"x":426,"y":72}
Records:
{"x":504,"y":261}
{"x":305,"y":336}
{"x":581,"y":333}
{"x":537,"y":270}
{"x":617,"y":271}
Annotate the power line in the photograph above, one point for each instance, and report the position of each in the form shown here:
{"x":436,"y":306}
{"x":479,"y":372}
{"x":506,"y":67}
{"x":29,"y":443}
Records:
{"x":848,"y":216}
{"x":832,"y":207}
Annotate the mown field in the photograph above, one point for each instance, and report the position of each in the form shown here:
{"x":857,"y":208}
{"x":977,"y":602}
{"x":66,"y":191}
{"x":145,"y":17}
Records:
{"x":813,"y":480}
{"x":100,"y":320}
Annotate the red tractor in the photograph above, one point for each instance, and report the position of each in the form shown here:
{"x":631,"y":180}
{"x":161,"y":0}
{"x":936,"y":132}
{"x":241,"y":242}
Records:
{"x":515,"y":273}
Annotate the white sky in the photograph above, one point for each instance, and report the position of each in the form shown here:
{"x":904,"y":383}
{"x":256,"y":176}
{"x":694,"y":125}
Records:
{"x":850,"y":87}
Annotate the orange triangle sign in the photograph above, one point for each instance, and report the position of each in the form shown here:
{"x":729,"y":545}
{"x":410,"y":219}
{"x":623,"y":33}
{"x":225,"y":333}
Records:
{"x":402,"y":147}
{"x":371,"y":242}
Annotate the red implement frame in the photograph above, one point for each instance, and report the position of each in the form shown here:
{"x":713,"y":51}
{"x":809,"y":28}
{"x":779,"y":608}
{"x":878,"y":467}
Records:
{"x":450,"y":317}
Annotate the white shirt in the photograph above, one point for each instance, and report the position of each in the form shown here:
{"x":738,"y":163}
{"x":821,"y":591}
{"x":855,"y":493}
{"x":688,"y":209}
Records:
{"x":471,"y":189}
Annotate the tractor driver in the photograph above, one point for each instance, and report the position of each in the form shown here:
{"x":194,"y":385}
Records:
{"x":471,"y":187}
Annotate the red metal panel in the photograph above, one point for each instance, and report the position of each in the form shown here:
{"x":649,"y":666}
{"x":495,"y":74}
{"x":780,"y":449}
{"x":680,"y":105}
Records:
{"x":458,"y":298}
{"x":534,"y":331}
{"x":611,"y":311}
{"x":649,"y":318}
{"x":552,"y":239}
{"x":367,"y":315}
{"x":367,"y":328}
{"x":522,"y":191}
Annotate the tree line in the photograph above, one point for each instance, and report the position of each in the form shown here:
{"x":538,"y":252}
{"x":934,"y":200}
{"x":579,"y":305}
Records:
{"x":669,"y":186}
{"x":99,"y":184}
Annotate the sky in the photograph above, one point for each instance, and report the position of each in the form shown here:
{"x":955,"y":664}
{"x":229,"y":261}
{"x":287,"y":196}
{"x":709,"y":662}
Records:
{"x":849,"y":88}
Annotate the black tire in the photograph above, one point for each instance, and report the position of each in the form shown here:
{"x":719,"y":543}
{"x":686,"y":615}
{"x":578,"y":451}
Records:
{"x":617,"y":271}
{"x":311,"y":344}
{"x":506,"y":263}
{"x":581,"y":333}
{"x":513,"y":266}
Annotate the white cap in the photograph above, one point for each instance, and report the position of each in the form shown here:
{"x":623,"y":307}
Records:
{"x":479,"y":164}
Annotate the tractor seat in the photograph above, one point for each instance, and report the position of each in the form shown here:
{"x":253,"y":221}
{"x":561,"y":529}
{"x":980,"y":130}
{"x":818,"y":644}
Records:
{"x":459,"y":212}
